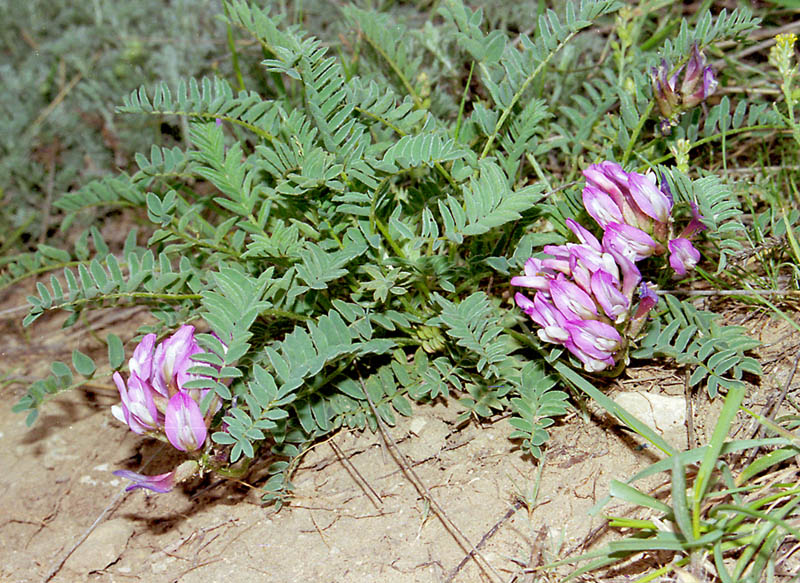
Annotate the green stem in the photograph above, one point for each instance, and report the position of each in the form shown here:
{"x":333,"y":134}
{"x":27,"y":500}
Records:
{"x":403,"y":79}
{"x":463,"y":102}
{"x":636,"y":131}
{"x":715,"y":137}
{"x":127,"y":295}
{"x":284,"y":314}
{"x":17,"y":233}
{"x":518,"y":95}
{"x":232,"y":47}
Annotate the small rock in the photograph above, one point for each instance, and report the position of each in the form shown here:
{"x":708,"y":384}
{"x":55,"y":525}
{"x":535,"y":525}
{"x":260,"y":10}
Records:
{"x":416,"y":425}
{"x":429,"y":439}
{"x":663,"y":413}
{"x":103,"y":546}
{"x":87,"y":481}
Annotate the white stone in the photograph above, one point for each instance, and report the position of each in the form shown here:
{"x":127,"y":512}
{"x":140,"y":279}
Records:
{"x":416,"y":425}
{"x":663,"y":413}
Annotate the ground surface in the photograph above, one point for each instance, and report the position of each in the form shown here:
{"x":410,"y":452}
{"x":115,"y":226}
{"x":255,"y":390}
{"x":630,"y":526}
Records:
{"x":356,"y":515}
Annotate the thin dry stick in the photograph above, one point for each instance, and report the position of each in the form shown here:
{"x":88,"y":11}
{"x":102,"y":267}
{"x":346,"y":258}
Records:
{"x":771,"y":408}
{"x":14,"y":310}
{"x":730,"y":292}
{"x":489,"y":534}
{"x":60,"y":97}
{"x":60,"y":563}
{"x":361,"y":480}
{"x":420,"y":486}
{"x":107,"y":510}
{"x":687,"y":394}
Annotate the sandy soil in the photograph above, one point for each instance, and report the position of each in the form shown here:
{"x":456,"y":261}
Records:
{"x":358,"y":514}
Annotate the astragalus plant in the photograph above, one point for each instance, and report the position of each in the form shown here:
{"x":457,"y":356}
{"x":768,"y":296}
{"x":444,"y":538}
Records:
{"x":345,"y":235}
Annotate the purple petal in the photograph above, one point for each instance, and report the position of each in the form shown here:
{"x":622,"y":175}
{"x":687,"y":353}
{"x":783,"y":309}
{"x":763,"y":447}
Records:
{"x":593,"y":260}
{"x":647,"y":301}
{"x":536,"y":276}
{"x":581,"y":275}
{"x":559,"y":262}
{"x":137,"y":408}
{"x":710,"y":82}
{"x":649,"y":198}
{"x":597,"y":339}
{"x":173,"y":357}
{"x":572,"y":301}
{"x":141,"y":364}
{"x":141,"y":404}
{"x":550,"y":319}
{"x":184,"y":423}
{"x":682,"y":255}
{"x":614,"y":303}
{"x":601,"y":207}
{"x":630,"y":273}
{"x":524,"y":303}
{"x":695,"y":225}
{"x":583,"y":235}
{"x":545,"y":315}
{"x":160,"y":483}
{"x":532,"y":281}
{"x":590,"y":363}
{"x":629,"y":241}
{"x":693,"y":70}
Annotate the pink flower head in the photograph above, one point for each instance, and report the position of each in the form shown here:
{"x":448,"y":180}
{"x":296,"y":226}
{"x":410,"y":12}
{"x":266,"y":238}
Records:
{"x":138,"y":408}
{"x":682,"y":255}
{"x":184,"y":423}
{"x":612,"y":195}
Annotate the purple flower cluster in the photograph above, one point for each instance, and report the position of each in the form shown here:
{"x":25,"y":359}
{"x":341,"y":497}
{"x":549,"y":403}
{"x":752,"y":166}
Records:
{"x":697,"y":84}
{"x":153,"y":401}
{"x":584,"y":291}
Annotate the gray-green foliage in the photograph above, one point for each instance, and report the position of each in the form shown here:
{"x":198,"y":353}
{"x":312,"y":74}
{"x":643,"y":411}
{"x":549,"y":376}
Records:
{"x":334,"y":225}
{"x":64,"y":67}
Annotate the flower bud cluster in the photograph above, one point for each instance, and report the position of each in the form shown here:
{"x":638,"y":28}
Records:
{"x":673,"y":98}
{"x":584,"y":292}
{"x":155,"y":402}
